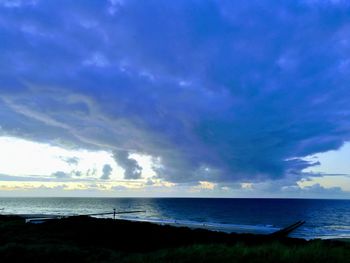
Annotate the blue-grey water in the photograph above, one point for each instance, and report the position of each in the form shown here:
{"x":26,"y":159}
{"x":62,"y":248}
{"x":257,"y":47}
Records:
{"x":324,"y":218}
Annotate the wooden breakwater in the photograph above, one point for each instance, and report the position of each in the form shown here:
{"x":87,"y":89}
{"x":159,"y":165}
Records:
{"x":40,"y":218}
{"x":287,"y":230}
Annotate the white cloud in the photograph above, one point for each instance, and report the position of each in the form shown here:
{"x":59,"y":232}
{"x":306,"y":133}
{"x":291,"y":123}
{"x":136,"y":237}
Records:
{"x":204,"y":185}
{"x":97,"y":59}
{"x":18,"y":3}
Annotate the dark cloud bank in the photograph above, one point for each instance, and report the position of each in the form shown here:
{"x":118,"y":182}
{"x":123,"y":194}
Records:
{"x":214,"y":90}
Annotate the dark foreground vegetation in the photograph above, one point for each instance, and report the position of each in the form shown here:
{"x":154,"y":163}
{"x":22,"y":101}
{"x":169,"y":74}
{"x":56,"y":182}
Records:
{"x":84,"y":239}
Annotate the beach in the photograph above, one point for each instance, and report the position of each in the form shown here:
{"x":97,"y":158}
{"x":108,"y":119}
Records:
{"x":87,"y":239}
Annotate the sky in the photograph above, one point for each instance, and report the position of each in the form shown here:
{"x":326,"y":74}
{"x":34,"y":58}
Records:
{"x":161,"y":98}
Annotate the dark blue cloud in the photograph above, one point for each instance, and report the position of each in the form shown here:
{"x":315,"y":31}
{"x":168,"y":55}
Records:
{"x":131,"y":168}
{"x":106,"y":172}
{"x":70,"y":160}
{"x":215,"y":90}
{"x":61,"y":175}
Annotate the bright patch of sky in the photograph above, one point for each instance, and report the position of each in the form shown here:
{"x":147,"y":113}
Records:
{"x":334,"y":169}
{"x":332,"y":162}
{"x":26,"y":158}
{"x":19,"y":157}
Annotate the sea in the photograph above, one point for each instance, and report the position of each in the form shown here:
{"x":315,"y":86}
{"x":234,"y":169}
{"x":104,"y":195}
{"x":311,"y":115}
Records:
{"x":324,"y":218}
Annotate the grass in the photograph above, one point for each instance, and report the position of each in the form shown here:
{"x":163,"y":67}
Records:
{"x":275,"y":252}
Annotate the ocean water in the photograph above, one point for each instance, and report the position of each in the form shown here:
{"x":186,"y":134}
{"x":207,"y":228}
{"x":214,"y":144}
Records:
{"x":324,"y":218}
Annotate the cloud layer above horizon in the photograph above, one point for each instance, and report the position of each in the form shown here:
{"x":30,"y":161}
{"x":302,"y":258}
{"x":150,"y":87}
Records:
{"x":217,"y":91}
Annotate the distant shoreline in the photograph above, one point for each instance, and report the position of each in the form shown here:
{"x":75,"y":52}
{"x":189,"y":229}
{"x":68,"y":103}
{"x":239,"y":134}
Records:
{"x":175,"y":197}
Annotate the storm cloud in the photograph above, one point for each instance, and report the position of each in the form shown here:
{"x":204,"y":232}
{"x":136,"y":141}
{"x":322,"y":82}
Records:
{"x":131,"y":168}
{"x":219,"y":91}
{"x":106,"y":172}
